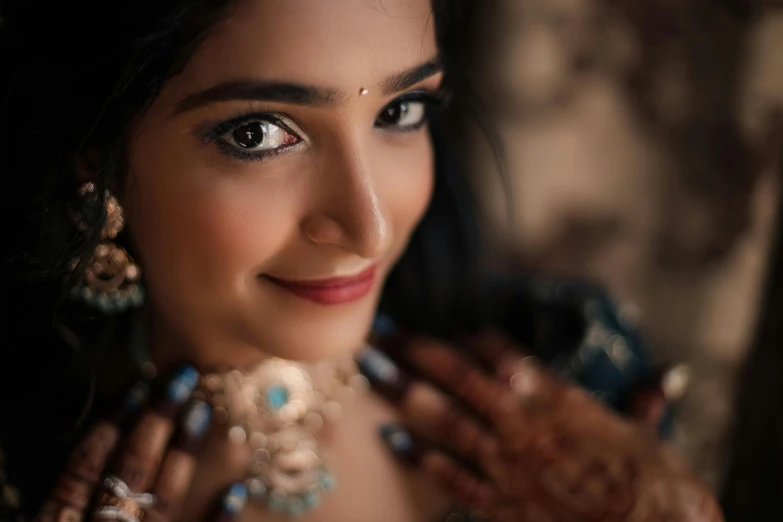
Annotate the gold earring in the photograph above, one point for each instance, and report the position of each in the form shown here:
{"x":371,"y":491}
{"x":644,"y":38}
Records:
{"x":112,"y":280}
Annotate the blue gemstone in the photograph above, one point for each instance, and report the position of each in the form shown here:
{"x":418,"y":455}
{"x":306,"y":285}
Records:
{"x":197,"y":419}
{"x":182,"y":385}
{"x":399,"y":441}
{"x":137,"y":298}
{"x":311,"y":499}
{"x":277,"y":397}
{"x":256,"y":489}
{"x":326,"y":481}
{"x":295,"y":507}
{"x":277,"y":503}
{"x":235,"y":499}
{"x":384,"y":326}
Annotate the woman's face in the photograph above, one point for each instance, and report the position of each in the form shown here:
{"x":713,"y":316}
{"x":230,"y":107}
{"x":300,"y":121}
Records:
{"x":268,"y":195}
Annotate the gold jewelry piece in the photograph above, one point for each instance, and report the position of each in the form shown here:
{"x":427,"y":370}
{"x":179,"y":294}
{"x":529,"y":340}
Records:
{"x":111,"y":279}
{"x":277,"y":408}
{"x":363,"y":91}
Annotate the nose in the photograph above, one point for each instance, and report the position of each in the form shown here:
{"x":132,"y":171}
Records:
{"x":350,"y":213}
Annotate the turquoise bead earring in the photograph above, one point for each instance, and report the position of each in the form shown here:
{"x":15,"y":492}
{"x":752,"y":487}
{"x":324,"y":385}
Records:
{"x":112,"y":280}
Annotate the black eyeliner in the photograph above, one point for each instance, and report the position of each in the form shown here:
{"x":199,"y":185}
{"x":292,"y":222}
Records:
{"x":239,"y":154}
{"x":217,"y":131}
{"x":432,"y":101}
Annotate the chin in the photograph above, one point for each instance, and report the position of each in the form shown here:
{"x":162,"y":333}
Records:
{"x":317,"y":338}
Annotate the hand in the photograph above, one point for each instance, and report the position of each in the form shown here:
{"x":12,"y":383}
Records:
{"x":158,"y":455}
{"x":520,"y":445}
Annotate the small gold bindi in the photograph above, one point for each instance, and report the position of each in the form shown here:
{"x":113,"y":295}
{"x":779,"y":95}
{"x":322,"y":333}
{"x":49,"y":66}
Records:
{"x":363,"y":91}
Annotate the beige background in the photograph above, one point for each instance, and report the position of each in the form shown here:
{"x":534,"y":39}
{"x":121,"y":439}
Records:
{"x":595,"y":192}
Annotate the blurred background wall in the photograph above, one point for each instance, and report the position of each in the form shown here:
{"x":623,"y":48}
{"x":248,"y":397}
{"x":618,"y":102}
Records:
{"x":639,"y":140}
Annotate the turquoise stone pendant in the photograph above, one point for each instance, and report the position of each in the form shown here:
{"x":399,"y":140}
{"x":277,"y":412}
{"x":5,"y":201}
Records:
{"x":278,"y":408}
{"x":276,"y":397}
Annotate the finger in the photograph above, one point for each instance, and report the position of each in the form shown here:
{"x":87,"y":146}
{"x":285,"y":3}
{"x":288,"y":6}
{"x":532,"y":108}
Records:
{"x":232,"y":503}
{"x":143,"y":451}
{"x":498,"y":352}
{"x":424,"y":408}
{"x":76,"y":485}
{"x":539,"y":388}
{"x":522,"y":372}
{"x":404,"y":445}
{"x":179,"y":465}
{"x":648,"y":408}
{"x":385,"y":333}
{"x":457,"y":376}
{"x":384,"y":375}
{"x":444,"y":423}
{"x":467,"y":488}
{"x":650,"y":404}
{"x":57,"y":512}
{"x":428,"y":411}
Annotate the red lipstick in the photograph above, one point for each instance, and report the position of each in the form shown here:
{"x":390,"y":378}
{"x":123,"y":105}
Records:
{"x":338,"y":290}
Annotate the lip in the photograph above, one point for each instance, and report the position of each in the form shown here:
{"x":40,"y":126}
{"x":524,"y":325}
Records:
{"x":334,"y":291}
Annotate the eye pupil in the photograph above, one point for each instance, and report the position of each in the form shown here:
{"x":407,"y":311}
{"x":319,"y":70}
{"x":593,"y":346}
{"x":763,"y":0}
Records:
{"x":394,"y":113}
{"x":250,"y":135}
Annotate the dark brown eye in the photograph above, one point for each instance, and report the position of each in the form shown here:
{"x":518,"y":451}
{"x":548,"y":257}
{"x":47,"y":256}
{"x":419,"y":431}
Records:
{"x":260,"y":136}
{"x":402,"y":115}
{"x":392,"y":114}
{"x":249,"y":135}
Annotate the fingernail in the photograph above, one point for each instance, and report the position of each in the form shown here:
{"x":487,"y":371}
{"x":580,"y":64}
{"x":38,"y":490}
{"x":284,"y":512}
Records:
{"x":405,"y":446}
{"x":384,"y":376}
{"x":233,"y":502}
{"x":194,"y":425}
{"x":132,"y":403}
{"x":384,"y":326}
{"x":178,"y":391}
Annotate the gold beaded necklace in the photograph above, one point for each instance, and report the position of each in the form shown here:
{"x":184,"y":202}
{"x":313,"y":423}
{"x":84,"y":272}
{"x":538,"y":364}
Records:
{"x":278,"y":408}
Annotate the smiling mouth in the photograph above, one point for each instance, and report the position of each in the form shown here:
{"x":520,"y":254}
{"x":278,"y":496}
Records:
{"x":338,"y":290}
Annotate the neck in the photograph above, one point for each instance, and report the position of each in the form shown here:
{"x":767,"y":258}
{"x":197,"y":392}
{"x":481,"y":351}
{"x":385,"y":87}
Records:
{"x":168,"y":347}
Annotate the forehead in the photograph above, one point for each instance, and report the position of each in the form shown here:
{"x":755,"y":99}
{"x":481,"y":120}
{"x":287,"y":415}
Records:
{"x":334,"y":43}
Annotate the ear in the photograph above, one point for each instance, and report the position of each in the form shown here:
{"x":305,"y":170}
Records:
{"x":86,"y":166}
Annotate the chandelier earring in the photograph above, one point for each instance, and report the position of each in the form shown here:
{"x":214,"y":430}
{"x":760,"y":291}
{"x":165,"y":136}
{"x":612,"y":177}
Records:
{"x":112,"y":280}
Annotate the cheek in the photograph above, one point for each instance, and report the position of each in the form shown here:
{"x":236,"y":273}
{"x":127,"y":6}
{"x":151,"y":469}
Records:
{"x":408,"y":183}
{"x":198,"y":228}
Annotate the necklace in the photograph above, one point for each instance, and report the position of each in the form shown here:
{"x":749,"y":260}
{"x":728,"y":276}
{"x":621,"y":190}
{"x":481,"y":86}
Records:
{"x":277,"y":408}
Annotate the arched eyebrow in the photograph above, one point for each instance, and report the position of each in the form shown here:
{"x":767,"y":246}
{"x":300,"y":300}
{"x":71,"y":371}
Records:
{"x":410,"y":77}
{"x":298,"y":94}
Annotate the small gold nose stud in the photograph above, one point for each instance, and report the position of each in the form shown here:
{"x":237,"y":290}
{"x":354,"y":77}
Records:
{"x":363,"y":91}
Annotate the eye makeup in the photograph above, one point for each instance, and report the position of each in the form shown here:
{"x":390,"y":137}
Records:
{"x":267,"y":124}
{"x":263,"y":127}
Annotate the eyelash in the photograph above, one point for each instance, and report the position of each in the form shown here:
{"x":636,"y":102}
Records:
{"x":432,"y":101}
{"x":218,"y":133}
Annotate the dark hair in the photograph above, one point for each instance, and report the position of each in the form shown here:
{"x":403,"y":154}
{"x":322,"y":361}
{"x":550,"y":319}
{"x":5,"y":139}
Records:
{"x":76,"y":76}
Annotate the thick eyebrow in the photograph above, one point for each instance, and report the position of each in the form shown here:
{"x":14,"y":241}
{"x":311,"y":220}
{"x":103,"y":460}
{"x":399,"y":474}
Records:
{"x":401,"y":81}
{"x":286,"y":92}
{"x":282,"y":92}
